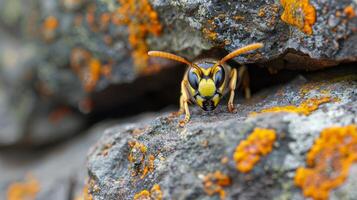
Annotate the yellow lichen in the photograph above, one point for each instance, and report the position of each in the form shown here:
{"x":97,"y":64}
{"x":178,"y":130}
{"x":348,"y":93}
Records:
{"x":248,"y":152}
{"x":141,"y":20}
{"x":49,"y":28}
{"x":213,"y":183}
{"x":88,"y":68}
{"x":93,"y":74}
{"x":209,"y":34}
{"x":299,"y":13}
{"x":142,"y":163}
{"x":154,"y":194}
{"x":23,"y":190}
{"x":328,"y":162}
{"x":85,"y":194}
{"x":349,"y":12}
{"x":58,"y":114}
{"x":51,"y":23}
{"x":209,"y":30}
{"x":305,"y":108}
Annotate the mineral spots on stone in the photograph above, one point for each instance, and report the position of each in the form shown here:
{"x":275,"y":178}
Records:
{"x":299,"y":13}
{"x":49,"y":28}
{"x":27,"y":189}
{"x":141,"y":20}
{"x":213,"y":183}
{"x":305,"y":108}
{"x":209,"y":31}
{"x":349,"y":12}
{"x":141,"y":163}
{"x":154,"y":194}
{"x":58,"y":114}
{"x":88,"y":68}
{"x":85,"y":194}
{"x":328,"y":162}
{"x":259,"y":143}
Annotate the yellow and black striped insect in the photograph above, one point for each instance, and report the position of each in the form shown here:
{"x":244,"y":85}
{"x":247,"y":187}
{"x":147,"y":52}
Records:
{"x":206,"y":81}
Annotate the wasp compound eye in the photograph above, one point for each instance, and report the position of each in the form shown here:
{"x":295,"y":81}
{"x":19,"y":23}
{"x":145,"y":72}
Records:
{"x":218,"y":77}
{"x":193,"y":79}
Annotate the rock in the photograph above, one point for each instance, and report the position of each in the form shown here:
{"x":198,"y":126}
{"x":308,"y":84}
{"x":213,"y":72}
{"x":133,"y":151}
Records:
{"x":315,"y":33}
{"x":259,"y":152}
{"x":55,"y":172}
{"x":70,"y":52}
{"x":104,"y":42}
{"x":42,"y":103}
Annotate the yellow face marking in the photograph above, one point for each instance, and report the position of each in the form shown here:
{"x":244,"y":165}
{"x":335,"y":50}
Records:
{"x":206,"y":72}
{"x":199,"y":101}
{"x":206,"y":87}
{"x":216,"y":100}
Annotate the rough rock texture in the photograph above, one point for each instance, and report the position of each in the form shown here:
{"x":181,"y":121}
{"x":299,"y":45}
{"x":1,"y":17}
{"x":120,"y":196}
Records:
{"x":56,"y":54}
{"x":232,"y":24}
{"x":58,"y":172}
{"x":134,"y":157}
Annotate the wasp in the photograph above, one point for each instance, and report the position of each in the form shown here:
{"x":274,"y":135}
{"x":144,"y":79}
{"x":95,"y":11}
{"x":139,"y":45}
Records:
{"x":206,"y":81}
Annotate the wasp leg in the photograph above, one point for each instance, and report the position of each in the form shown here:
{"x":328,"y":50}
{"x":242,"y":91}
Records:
{"x":232,"y":87}
{"x":243,"y":77}
{"x":184,"y":103}
{"x":181,"y":110}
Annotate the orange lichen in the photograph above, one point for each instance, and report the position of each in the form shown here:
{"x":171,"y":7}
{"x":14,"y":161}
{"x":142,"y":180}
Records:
{"x":141,"y":20}
{"x":51,"y":23}
{"x":142,"y":163}
{"x":58,"y":114}
{"x":213,"y":183}
{"x":305,"y":108}
{"x":269,"y":14}
{"x":248,"y":152}
{"x":105,"y":149}
{"x":143,"y":195}
{"x":299,"y":13}
{"x":238,"y":17}
{"x":209,"y":30}
{"x":88,"y":68}
{"x":85,"y":195}
{"x":23,"y":190}
{"x":349,"y":12}
{"x":93,"y":74}
{"x":154,"y":194}
{"x":90,"y":17}
{"x":328,"y":162}
{"x":209,"y":34}
{"x":105,"y":19}
{"x":49,"y":28}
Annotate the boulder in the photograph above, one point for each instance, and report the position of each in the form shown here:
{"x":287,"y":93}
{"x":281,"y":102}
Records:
{"x":68,"y":53}
{"x":284,"y":143}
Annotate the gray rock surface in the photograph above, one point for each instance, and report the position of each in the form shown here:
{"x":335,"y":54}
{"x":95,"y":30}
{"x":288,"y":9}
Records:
{"x":233,"y":24}
{"x":49,"y":48}
{"x":59,"y":170}
{"x":179,"y":159}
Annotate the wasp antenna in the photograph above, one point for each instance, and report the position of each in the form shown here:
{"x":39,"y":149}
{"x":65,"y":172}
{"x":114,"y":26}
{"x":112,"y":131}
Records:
{"x":241,"y":51}
{"x":169,"y":56}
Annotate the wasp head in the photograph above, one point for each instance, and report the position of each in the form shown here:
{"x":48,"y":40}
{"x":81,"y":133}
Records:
{"x":207,"y":83}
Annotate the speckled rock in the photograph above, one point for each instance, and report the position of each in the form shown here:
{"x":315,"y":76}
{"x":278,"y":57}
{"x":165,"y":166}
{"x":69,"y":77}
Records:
{"x":233,"y":24}
{"x":58,"y":172}
{"x":134,"y":157}
{"x":69,"y":51}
